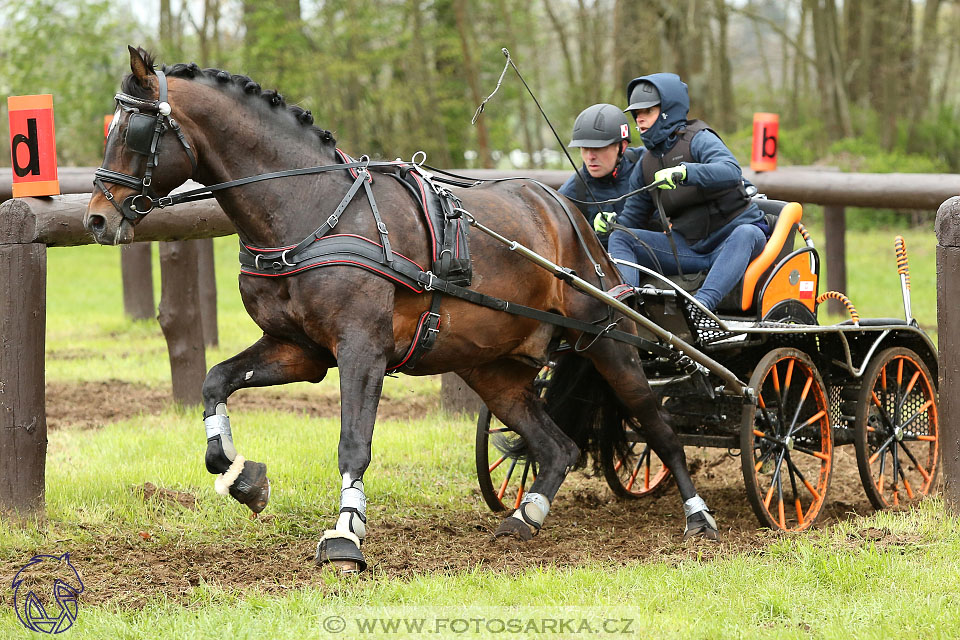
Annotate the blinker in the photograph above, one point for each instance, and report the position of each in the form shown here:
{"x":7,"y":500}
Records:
{"x":140,"y":129}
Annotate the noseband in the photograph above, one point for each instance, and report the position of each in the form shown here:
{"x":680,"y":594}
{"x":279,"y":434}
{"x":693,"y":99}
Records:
{"x":148,"y":121}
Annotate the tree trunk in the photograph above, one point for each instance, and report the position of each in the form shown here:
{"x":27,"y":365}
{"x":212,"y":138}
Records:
{"x":457,"y":397}
{"x":526,"y":126}
{"x":180,"y":320}
{"x":465,"y":29}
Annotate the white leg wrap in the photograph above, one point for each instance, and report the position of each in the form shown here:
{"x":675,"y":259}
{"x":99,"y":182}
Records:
{"x":219,"y":425}
{"x":226,"y":479}
{"x":534,"y":508}
{"x":353,"y":508}
{"x":696,"y":505}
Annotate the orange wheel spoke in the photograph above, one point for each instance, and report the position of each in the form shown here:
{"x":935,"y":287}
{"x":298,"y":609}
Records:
{"x":906,"y":485}
{"x":912,"y":382}
{"x":788,"y":376}
{"x":497,"y":463}
{"x":799,"y":512}
{"x":759,"y":434}
{"x":783,"y":519}
{"x":811,"y":489}
{"x":766,"y":501}
{"x":899,"y":371}
{"x":927,"y":438}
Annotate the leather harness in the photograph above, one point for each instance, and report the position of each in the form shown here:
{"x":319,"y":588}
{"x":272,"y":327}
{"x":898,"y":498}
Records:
{"x":449,"y":274}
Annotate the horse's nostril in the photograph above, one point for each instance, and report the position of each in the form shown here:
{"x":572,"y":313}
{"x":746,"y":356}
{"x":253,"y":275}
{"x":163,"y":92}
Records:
{"x":96,"y":223}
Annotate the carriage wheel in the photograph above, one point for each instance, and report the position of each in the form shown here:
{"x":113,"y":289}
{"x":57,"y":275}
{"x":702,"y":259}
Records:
{"x":786,"y":441}
{"x":503,"y":478}
{"x":640,"y":473}
{"x":896,"y":431}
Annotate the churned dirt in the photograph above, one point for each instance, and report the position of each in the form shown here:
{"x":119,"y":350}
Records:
{"x":588,"y":525}
{"x":81,"y":404}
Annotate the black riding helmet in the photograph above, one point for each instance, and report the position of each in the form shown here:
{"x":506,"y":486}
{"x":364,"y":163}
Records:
{"x":600,"y":125}
{"x":642,"y":94}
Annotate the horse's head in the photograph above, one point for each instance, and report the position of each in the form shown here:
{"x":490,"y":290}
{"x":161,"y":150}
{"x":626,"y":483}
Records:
{"x":147,"y":155}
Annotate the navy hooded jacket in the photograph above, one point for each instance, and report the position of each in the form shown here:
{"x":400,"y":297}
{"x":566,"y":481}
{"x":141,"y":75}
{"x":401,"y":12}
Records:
{"x":714,"y":166}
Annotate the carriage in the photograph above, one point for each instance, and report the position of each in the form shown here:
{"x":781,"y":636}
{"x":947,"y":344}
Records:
{"x":388,"y":282}
{"x":866,"y":382}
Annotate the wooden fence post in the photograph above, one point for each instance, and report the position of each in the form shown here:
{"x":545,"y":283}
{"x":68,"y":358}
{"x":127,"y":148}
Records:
{"x":835,"y":231}
{"x":23,"y":319}
{"x":948,"y":342}
{"x":136,"y":271}
{"x":180,"y":319}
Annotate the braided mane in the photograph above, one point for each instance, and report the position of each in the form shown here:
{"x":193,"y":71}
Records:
{"x":225,"y":79}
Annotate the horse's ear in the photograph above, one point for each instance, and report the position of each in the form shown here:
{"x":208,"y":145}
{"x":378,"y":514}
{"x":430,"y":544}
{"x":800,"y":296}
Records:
{"x":139,"y":66}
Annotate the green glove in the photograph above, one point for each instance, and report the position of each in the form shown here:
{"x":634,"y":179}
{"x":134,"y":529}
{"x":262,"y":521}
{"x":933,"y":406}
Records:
{"x":671,"y":176}
{"x":601,"y":224}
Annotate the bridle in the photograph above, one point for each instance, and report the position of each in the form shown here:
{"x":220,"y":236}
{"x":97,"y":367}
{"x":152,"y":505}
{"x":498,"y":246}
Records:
{"x":148,"y":121}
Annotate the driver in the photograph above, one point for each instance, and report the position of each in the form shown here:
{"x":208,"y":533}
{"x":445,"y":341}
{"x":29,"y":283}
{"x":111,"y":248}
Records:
{"x":716,"y":227}
{"x":602,"y":133}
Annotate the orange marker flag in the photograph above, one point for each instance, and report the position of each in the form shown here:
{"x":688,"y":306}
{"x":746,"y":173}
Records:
{"x":33,"y":146}
{"x":766,"y":129}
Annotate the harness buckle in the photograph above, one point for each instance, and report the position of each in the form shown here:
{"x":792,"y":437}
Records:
{"x":165,"y":201}
{"x":433,"y":316}
{"x":107,"y":195}
{"x":333,"y":220}
{"x":147,"y":181}
{"x":382,"y":228}
{"x":283,"y":258}
{"x":596,"y":267}
{"x":428,"y":285}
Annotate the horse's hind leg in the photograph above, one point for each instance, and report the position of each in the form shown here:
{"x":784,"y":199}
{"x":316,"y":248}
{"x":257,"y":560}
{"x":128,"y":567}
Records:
{"x":267,"y":362}
{"x":507,"y":389}
{"x":620,"y":366}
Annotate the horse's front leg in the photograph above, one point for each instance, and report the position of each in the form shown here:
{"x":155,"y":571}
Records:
{"x":361,"y":367}
{"x":265,"y":363}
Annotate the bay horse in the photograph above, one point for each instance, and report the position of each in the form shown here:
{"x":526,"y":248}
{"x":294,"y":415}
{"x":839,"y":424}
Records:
{"x":224,"y":127}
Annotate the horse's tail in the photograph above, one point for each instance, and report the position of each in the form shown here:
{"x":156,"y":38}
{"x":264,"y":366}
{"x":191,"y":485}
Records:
{"x":584,"y":406}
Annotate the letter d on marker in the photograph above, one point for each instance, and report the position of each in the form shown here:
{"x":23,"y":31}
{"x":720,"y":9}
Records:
{"x":33,"y":146}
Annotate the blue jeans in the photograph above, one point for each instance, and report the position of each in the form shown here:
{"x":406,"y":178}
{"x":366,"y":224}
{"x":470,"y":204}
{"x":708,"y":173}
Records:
{"x":726,"y":263}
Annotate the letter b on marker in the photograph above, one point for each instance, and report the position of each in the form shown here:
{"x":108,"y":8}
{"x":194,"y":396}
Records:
{"x":766,"y":128}
{"x":33,"y":146}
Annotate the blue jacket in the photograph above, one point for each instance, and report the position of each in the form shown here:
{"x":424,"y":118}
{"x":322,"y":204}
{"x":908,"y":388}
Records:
{"x":714,"y":167}
{"x":607,"y":187}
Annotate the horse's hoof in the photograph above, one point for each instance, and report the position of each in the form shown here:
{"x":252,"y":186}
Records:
{"x":252,"y":487}
{"x":706,"y":532}
{"x":701,"y":525}
{"x":514,"y":527}
{"x":342,"y":553}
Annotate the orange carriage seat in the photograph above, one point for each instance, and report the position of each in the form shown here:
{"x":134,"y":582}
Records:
{"x":779,"y":273}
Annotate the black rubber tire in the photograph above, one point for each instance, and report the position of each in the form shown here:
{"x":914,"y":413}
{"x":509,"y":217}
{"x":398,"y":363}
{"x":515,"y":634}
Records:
{"x":897,"y":392}
{"x":787,"y":431}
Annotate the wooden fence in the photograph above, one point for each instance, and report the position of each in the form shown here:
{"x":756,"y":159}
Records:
{"x":29,"y":226}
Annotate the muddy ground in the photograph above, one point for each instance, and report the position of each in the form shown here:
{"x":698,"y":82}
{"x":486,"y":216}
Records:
{"x":587,"y":524}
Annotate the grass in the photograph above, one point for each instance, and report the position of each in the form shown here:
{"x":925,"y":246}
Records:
{"x":833,"y":583}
